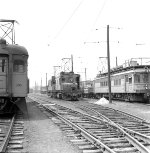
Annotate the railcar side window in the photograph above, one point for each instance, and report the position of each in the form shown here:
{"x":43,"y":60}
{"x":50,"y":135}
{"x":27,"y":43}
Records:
{"x":63,"y":79}
{"x":19,"y":66}
{"x":145,"y":77}
{"x":130,"y":80}
{"x":136,"y":78}
{"x":2,"y":65}
{"x":127,"y":79}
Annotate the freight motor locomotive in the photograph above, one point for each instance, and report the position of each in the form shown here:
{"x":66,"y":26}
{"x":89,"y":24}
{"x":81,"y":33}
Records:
{"x":65,"y":86}
{"x":13,"y":75}
{"x":130,"y":82}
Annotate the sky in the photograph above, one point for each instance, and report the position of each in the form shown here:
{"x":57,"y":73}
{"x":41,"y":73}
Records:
{"x":55,"y":29}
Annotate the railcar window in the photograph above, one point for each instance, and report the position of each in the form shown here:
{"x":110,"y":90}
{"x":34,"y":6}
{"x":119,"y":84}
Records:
{"x":2,"y":65}
{"x":127,"y":79}
{"x":130,"y":80}
{"x":116,"y":82}
{"x":145,"y":77}
{"x":119,"y":81}
{"x":63,"y":79}
{"x":19,"y":66}
{"x":136,"y":78}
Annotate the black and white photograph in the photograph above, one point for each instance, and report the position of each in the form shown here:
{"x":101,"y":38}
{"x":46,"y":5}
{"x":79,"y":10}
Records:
{"x":75,"y":76}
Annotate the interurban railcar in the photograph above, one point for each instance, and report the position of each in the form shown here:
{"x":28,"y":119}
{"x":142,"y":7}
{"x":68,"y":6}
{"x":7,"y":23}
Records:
{"x":130,"y":83}
{"x":14,"y":82}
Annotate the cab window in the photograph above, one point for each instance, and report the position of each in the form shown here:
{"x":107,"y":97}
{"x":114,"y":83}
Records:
{"x":19,"y":66}
{"x":144,"y":77}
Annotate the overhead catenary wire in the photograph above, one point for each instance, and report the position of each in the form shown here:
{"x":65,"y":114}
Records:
{"x":99,"y":13}
{"x":98,"y":16}
{"x":67,"y":21}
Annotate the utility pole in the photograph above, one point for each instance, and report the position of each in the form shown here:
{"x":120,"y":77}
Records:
{"x":85,"y":75}
{"x":108,"y":59}
{"x":72,"y":62}
{"x":41,"y":85}
{"x":116,"y":62}
{"x":46,"y":82}
{"x":35,"y":88}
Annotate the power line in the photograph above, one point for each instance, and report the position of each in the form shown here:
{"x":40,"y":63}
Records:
{"x":67,"y":21}
{"x":98,"y":16}
{"x":100,"y":12}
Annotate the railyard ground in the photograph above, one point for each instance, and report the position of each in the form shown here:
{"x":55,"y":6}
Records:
{"x":43,"y":136}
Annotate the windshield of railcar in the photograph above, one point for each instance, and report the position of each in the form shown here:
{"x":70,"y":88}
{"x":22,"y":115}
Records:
{"x":19,"y":66}
{"x":141,"y":78}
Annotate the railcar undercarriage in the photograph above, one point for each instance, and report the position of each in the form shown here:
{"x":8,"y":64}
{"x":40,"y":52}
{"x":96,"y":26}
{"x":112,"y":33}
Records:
{"x":130,"y":97}
{"x":8,"y":104}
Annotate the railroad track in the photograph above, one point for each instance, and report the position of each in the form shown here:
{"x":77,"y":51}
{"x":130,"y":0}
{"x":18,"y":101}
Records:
{"x":134,"y":125}
{"x":10,"y":128}
{"x":95,"y":134}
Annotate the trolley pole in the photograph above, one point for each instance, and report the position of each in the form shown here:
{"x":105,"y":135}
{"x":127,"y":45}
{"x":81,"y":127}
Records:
{"x":108,"y":61}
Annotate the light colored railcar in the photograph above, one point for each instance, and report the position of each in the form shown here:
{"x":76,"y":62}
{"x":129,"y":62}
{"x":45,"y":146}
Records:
{"x":131,"y":83}
{"x":65,"y":86}
{"x":14,"y":83}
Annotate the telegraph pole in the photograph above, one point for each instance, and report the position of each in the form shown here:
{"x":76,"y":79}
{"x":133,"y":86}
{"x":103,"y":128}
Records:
{"x":108,"y":60}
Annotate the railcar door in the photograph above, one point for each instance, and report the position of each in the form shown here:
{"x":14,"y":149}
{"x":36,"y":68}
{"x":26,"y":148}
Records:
{"x":3,"y":75}
{"x":19,"y":77}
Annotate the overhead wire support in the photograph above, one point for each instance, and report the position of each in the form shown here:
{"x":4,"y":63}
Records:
{"x":7,"y":27}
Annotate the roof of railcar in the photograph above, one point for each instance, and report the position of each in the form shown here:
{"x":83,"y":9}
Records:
{"x":12,"y":49}
{"x":126,"y":69}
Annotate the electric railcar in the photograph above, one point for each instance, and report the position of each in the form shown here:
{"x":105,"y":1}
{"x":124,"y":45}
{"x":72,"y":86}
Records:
{"x":65,"y":86}
{"x":14,"y":82}
{"x":130,"y":83}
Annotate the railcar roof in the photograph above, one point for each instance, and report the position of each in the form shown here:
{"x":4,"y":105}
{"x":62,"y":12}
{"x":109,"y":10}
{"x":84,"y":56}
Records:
{"x":124,"y":69}
{"x":13,"y":49}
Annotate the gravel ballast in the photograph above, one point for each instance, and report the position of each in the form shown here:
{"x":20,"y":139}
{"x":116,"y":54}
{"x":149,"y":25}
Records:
{"x":43,"y":136}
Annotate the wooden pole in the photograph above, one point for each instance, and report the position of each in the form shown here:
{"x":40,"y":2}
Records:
{"x":108,"y":60}
{"x":72,"y":62}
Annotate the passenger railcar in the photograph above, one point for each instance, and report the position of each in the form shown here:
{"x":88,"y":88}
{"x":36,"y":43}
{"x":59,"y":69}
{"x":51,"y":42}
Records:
{"x":65,"y":86}
{"x":131,"y":83}
{"x":14,"y":83}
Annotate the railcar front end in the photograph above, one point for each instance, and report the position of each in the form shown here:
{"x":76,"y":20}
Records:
{"x":65,"y":86}
{"x":13,"y":75}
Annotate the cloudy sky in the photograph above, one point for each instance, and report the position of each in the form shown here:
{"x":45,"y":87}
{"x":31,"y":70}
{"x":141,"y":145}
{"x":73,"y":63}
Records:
{"x":54,"y":29}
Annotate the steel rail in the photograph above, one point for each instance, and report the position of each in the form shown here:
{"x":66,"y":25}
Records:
{"x":125,"y":131}
{"x":130,"y":116}
{"x":4,"y":144}
{"x":131,"y":132}
{"x":131,"y":139}
{"x":93,"y":139}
